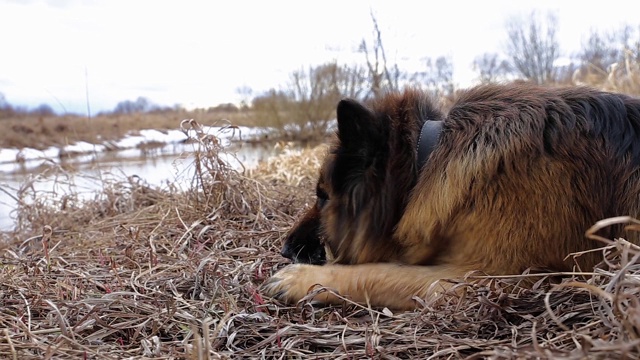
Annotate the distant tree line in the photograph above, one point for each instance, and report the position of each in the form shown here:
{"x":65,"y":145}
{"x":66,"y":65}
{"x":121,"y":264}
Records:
{"x":138,"y":106}
{"x":126,"y":107}
{"x":7,"y":110}
{"x":531,"y":52}
{"x":609,"y":60}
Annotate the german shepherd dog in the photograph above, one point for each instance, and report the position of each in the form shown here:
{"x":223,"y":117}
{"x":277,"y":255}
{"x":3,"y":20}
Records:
{"x":516,"y":176}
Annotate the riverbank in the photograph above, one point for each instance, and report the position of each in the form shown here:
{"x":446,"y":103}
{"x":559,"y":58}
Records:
{"x":158,"y":158}
{"x":21,"y":159}
{"x":43,"y":132}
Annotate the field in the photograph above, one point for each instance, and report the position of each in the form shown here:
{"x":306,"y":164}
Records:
{"x":147,"y":273}
{"x":40,"y":132}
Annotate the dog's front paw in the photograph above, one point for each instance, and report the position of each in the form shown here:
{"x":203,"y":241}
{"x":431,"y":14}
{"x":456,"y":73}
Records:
{"x":292,"y":283}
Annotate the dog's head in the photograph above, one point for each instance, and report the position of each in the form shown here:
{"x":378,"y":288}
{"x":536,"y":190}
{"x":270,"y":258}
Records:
{"x":359,"y":195}
{"x":303,"y":243}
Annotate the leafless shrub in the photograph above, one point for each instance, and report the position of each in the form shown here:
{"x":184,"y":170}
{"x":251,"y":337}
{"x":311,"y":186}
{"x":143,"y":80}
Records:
{"x":305,"y":108}
{"x":491,"y":67}
{"x":611,"y":61}
{"x":533,"y":47}
{"x":437,"y":77}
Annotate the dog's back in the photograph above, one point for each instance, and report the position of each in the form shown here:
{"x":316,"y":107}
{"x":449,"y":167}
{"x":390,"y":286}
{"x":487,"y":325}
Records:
{"x":526,"y":170}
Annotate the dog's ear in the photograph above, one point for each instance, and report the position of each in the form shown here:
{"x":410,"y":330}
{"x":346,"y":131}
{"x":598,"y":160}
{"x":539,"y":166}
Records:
{"x":359,"y":158}
{"x":357,"y":125}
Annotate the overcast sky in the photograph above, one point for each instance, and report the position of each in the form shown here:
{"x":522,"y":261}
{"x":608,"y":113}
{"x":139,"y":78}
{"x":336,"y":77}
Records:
{"x":197,"y":53}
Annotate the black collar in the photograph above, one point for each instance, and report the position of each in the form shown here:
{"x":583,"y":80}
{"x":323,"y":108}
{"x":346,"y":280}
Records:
{"x":427,"y":141}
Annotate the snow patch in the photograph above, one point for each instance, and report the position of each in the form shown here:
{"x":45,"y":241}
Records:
{"x":28,"y":156}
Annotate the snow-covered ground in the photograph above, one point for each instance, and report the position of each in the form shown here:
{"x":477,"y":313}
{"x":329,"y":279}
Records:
{"x":30,"y":158}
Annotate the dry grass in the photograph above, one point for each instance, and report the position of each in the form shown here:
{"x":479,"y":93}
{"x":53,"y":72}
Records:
{"x":295,"y":167}
{"x":139,"y":272}
{"x":623,"y":77}
{"x":40,"y":132}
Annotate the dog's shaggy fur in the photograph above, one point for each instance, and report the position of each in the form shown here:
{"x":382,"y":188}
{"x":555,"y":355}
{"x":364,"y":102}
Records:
{"x":517,"y":176}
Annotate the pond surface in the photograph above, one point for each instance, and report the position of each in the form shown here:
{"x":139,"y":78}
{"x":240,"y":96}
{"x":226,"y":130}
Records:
{"x":86,"y":173}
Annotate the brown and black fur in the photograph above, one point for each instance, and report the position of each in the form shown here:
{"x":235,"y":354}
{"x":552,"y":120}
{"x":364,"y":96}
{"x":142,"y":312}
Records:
{"x":518,"y":174}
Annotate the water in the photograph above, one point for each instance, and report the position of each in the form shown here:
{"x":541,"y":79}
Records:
{"x":171,"y":163}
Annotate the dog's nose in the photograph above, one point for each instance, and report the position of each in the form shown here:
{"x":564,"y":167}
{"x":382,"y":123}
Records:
{"x":287,"y":251}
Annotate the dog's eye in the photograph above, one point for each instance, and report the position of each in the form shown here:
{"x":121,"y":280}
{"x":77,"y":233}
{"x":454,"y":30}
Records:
{"x":322,"y":197}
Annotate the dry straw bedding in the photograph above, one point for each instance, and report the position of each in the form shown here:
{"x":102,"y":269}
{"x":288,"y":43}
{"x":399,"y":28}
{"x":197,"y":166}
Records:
{"x":140,"y":272}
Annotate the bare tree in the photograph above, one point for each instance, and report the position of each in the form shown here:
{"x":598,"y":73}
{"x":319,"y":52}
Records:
{"x":307,"y":104}
{"x":351,"y":81}
{"x":271,"y":108}
{"x":533,"y":47}
{"x":601,"y":50}
{"x":317,"y":91}
{"x":315,"y":94}
{"x":382,"y":75}
{"x":437,"y":76}
{"x":43,"y":110}
{"x":611,"y":60}
{"x":3,"y":102}
{"x":491,"y":67}
{"x":246,"y":93}
{"x":6,"y":110}
{"x":140,"y":105}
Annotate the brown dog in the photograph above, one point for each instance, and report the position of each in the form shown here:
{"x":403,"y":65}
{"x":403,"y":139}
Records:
{"x":519,"y":172}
